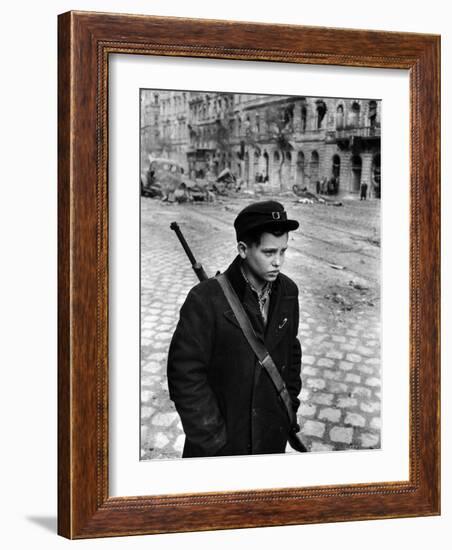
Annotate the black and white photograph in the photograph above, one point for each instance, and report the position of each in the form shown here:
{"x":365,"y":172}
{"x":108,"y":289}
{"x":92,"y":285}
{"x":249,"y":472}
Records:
{"x":220,"y":331}
{"x":260,"y":274}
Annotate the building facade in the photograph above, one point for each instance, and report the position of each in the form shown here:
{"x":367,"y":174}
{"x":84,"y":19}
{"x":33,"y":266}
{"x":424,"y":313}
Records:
{"x":272,"y":141}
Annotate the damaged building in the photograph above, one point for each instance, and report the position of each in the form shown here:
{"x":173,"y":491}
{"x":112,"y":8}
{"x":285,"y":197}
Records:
{"x":274,"y":142}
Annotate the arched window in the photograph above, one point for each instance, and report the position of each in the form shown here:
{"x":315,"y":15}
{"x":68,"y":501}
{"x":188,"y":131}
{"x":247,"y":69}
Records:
{"x":340,"y":117}
{"x":300,"y":168}
{"x":257,"y":175}
{"x":357,"y":164}
{"x":276,"y":156}
{"x":304,"y":118}
{"x":372,"y":113}
{"x":321,"y":112}
{"x":354,"y":115}
{"x":314,"y":166}
{"x":336,"y":167}
{"x":266,"y":163}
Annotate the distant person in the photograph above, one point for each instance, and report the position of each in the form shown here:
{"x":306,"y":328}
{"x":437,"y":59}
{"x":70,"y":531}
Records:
{"x":363,"y":191}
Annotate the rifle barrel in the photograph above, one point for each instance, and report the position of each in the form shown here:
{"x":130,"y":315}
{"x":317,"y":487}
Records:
{"x":175,"y":227}
{"x":197,"y":267}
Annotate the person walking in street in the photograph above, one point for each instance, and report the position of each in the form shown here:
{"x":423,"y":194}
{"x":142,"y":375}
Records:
{"x":227,"y":401}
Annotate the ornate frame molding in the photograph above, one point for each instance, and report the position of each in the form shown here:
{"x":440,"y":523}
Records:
{"x":85,"y":42}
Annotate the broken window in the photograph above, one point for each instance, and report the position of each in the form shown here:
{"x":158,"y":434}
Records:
{"x":321,"y":112}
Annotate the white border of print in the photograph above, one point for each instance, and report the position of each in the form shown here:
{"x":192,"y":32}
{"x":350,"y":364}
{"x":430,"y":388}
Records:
{"x":129,"y":476}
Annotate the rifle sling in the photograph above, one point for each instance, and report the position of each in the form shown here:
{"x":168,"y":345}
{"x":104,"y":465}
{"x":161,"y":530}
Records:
{"x":257,"y":346}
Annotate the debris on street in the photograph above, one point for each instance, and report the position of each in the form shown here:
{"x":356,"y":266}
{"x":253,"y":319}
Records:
{"x":339,"y":296}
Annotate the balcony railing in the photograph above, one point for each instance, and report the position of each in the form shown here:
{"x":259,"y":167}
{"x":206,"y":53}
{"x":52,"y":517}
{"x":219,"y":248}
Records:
{"x":364,"y":132}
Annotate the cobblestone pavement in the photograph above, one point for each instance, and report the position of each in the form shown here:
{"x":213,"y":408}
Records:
{"x":334,"y":258}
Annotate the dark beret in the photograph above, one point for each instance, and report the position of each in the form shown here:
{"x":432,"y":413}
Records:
{"x":265,"y":215}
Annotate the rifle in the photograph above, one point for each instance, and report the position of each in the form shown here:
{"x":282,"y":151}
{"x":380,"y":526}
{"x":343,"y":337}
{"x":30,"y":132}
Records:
{"x":197,"y":267}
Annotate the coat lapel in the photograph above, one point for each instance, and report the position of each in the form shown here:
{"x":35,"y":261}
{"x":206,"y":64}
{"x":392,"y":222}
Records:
{"x":280,"y":311}
{"x":279,"y":317}
{"x":229,"y":314}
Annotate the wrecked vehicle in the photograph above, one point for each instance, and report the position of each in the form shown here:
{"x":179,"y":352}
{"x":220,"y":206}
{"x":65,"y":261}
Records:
{"x":226,"y":181}
{"x":162,"y":178}
{"x":199,"y":190}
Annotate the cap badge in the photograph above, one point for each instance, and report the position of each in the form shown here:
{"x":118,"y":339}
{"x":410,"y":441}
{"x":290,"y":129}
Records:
{"x":276,"y":215}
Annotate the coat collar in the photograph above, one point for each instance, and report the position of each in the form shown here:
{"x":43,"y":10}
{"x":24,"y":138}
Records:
{"x":237,"y":280}
{"x":279,"y":312}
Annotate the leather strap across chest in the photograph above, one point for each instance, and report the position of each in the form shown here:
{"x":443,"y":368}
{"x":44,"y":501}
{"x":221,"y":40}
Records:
{"x":257,"y":346}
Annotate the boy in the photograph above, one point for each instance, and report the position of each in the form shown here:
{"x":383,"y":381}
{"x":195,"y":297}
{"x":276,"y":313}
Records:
{"x":226,"y":400}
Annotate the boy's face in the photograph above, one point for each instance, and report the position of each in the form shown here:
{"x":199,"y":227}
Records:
{"x":266,"y":259}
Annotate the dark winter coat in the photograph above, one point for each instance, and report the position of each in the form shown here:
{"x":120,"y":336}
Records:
{"x":226,"y":401}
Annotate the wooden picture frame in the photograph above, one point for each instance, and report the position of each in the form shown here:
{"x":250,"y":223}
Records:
{"x":85,"y":42}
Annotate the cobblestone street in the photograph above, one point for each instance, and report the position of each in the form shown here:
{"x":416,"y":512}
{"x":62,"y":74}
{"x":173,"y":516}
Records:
{"x":334,"y":258}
